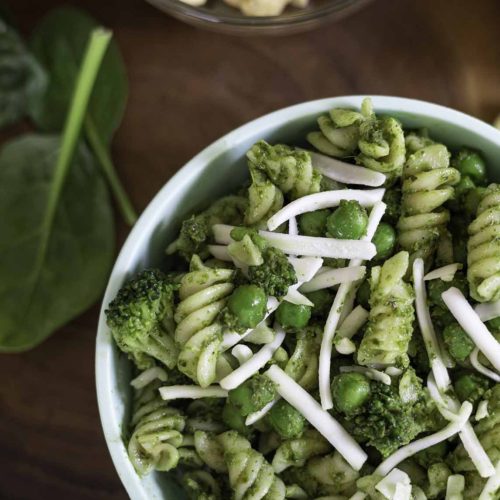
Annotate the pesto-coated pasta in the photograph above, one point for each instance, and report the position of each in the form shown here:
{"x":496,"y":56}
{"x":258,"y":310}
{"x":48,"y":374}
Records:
{"x":251,"y":476}
{"x":483,"y":248}
{"x":203,"y":292}
{"x":201,"y":485}
{"x":390,"y":323}
{"x":428,"y":182}
{"x":289,"y":169}
{"x":157,"y":432}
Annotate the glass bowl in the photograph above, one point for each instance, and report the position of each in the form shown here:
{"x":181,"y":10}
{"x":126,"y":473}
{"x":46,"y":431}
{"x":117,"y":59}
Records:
{"x":216,"y":15}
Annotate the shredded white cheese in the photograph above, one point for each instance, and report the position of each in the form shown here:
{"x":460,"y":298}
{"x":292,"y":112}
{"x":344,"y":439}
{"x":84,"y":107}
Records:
{"x":487,"y":311}
{"x":474,"y":361}
{"x":295,"y":297}
{"x":492,"y":486}
{"x":346,"y":172}
{"x":242,"y":353}
{"x":341,"y":299}
{"x":403,"y":492}
{"x":305,"y":267}
{"x":254,"y":363}
{"x":426,"y":327}
{"x":353,"y":322}
{"x":324,"y":199}
{"x":446,"y":273}
{"x":333,"y":432}
{"x":148,"y":376}
{"x":421,"y":444}
{"x":473,"y":326}
{"x":257,"y":415}
{"x":482,"y":410}
{"x":332,"y":277}
{"x":306,"y":245}
{"x":393,"y":371}
{"x":455,"y":487}
{"x":387,"y":486}
{"x":368,"y":372}
{"x":359,"y":495}
{"x":191,"y":392}
{"x":293,"y":228}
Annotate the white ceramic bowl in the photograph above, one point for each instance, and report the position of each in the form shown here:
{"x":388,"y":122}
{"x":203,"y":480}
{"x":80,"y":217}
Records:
{"x":216,"y":171}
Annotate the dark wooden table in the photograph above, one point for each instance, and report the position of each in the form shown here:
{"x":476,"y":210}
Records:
{"x":188,"y":87}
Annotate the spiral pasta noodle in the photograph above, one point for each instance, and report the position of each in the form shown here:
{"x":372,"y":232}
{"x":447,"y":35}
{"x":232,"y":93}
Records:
{"x":201,"y":485}
{"x":250,"y":475}
{"x":210,"y":450}
{"x":483,"y":248}
{"x":295,"y":452}
{"x":338,"y":133}
{"x":264,"y":198}
{"x":203,"y":292}
{"x":289,"y":169}
{"x":157,"y":432}
{"x":390,"y":323}
{"x":428,"y":182}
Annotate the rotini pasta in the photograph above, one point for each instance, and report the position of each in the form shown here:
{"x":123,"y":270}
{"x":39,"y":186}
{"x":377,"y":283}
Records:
{"x":295,"y":452}
{"x":203,"y":294}
{"x":157,"y":432}
{"x":201,"y":485}
{"x":250,"y":475}
{"x":428,"y":182}
{"x":264,"y":198}
{"x":390,"y":323}
{"x":483,"y":248}
{"x":210,"y":450}
{"x":289,"y":169}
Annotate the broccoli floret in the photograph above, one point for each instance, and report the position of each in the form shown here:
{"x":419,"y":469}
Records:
{"x":387,"y":423}
{"x":457,"y":341}
{"x":275,"y":275}
{"x":141,"y":317}
{"x":196,"y":231}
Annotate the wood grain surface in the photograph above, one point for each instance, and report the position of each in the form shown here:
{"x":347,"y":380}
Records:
{"x":188,"y":87}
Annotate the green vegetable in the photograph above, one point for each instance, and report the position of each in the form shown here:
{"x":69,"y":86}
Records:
{"x":293,"y":315}
{"x":232,"y":417}
{"x":140,"y":319}
{"x":384,"y":240}
{"x":314,"y":223}
{"x":470,"y":387}
{"x":286,"y":420}
{"x":470,"y":163}
{"x":392,"y":198}
{"x":494,"y":324}
{"x":348,"y":221}
{"x":350,"y":391}
{"x":248,"y":304}
{"x":58,"y":43}
{"x":363,"y":294}
{"x":252,"y":395}
{"x":57,"y":244}
{"x":432,"y":455}
{"x":322,"y":300}
{"x":459,"y":344}
{"x":22,"y":80}
{"x":437,"y":287}
{"x":275,"y":275}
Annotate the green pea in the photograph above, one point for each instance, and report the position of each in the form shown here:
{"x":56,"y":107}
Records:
{"x":286,"y":420}
{"x":248,"y":304}
{"x":322,"y":300}
{"x":471,"y":200}
{"x":252,"y":395}
{"x":470,"y":387}
{"x":457,"y":341}
{"x":348,"y":222}
{"x":293,"y":315}
{"x":470,"y":163}
{"x":384,"y":240}
{"x":493,"y":324}
{"x":314,"y":223}
{"x":363,"y":294}
{"x":234,"y":419}
{"x":350,"y":391}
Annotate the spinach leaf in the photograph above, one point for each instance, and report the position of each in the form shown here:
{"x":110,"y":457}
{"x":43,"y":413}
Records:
{"x":56,"y":224}
{"x":36,"y":297}
{"x":58,"y":42}
{"x":22,"y":80}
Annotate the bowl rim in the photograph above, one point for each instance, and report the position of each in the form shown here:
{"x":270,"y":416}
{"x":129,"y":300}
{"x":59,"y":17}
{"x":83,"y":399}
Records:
{"x":105,"y":375}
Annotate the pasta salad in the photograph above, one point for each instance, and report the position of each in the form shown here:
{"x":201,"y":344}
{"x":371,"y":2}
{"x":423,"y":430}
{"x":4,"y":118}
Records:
{"x":331,"y":330}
